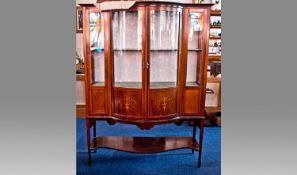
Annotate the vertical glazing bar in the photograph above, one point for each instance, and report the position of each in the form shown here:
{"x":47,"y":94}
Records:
{"x":204,"y":62}
{"x":182,"y":57}
{"x":87,"y":67}
{"x":145,"y":60}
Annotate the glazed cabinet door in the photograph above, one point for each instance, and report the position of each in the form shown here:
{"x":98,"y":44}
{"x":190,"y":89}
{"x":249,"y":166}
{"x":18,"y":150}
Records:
{"x":96,"y":63}
{"x":128,"y":54}
{"x":162,"y":61}
{"x":194,"y":50}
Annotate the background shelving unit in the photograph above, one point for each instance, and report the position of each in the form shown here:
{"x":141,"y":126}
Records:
{"x":213,"y":94}
{"x":215,"y":13}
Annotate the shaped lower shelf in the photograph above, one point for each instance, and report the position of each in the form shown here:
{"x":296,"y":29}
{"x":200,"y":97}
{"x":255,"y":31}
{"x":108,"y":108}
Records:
{"x":144,"y":144}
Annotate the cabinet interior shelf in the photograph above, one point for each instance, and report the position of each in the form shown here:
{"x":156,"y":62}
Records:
{"x":128,"y":84}
{"x":98,"y":84}
{"x":194,"y":49}
{"x":96,"y":48}
{"x":153,"y":85}
{"x":192,"y":84}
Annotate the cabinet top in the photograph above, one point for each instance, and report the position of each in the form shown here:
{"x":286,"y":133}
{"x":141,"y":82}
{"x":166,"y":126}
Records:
{"x":164,"y":1}
{"x":181,"y":2}
{"x":126,"y":4}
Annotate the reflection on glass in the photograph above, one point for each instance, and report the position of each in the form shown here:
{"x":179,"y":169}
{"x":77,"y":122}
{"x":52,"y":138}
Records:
{"x":127,"y":32}
{"x":195,"y":28}
{"x":97,"y":47}
{"x":194,"y":49}
{"x":164,"y":38}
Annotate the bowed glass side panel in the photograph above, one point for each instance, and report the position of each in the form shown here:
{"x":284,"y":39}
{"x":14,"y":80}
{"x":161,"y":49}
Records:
{"x":164,"y":44}
{"x":127,"y":48}
{"x":194,"y":48}
{"x":97,"y":48}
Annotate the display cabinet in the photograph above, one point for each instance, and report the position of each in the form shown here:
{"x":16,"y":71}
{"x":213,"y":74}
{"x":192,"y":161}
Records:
{"x":146,"y":64}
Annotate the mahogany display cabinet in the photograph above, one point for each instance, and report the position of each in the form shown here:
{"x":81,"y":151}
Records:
{"x":146,"y":64}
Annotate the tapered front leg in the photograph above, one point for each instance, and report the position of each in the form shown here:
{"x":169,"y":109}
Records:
{"x":89,"y":141}
{"x":201,"y":126}
{"x":94,"y":133}
{"x":194,"y":133}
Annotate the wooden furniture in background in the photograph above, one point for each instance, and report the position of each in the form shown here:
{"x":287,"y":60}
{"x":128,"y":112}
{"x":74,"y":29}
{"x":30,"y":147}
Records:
{"x":146,"y":65}
{"x":80,"y":96}
{"x":213,"y":100}
{"x":79,"y":20}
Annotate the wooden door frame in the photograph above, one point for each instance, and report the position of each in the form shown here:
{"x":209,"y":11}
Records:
{"x":204,"y":11}
{"x":163,"y":7}
{"x":111,"y":58}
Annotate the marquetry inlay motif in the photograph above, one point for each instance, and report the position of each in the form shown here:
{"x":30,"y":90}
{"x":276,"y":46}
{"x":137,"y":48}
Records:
{"x":127,"y":103}
{"x":162,"y":103}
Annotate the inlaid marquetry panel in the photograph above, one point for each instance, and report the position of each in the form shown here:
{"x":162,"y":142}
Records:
{"x":162,"y":102}
{"x":128,"y":102}
{"x":191,"y":103}
{"x":98,"y":101}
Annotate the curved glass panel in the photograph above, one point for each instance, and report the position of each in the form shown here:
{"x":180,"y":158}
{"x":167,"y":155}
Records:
{"x":127,"y":48}
{"x":164,"y":39}
{"x":97,"y":48}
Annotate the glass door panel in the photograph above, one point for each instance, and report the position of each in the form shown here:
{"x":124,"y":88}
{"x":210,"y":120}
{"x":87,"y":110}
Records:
{"x":194,"y":48}
{"x":164,"y":41}
{"x":97,"y":48}
{"x":127,"y":48}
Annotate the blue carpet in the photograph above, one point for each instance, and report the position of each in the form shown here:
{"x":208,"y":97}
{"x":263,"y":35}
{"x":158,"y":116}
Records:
{"x":178,"y":162}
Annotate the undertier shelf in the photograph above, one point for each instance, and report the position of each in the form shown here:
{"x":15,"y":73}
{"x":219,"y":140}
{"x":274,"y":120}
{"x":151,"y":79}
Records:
{"x":144,"y":144}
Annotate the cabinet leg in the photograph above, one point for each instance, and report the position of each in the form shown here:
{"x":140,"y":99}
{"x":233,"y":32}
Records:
{"x":89,"y":141}
{"x":94,"y":134}
{"x":194,"y":133}
{"x":201,"y":126}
